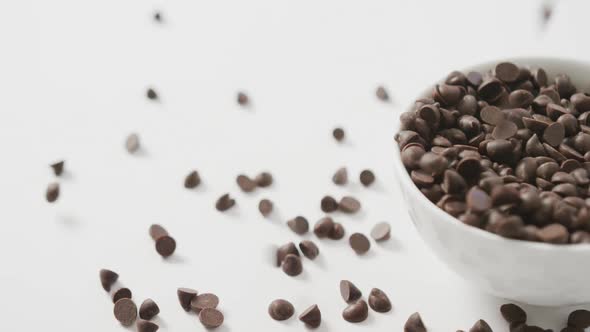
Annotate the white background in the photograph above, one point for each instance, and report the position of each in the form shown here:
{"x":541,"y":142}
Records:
{"x":73,"y":76}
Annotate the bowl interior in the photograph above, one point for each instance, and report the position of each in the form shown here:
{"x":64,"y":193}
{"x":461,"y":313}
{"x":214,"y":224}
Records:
{"x":579,"y":73}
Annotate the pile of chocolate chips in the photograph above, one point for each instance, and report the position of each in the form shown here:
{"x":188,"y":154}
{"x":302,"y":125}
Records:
{"x":507,"y":151}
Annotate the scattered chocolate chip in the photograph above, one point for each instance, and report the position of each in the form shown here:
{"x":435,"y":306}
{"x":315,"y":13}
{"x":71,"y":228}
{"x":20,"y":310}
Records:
{"x":553,"y":233}
{"x":281,"y":310}
{"x":513,"y":313}
{"x":58,"y":167}
{"x":480,"y":326}
{"x":337,"y":231}
{"x":338,"y":134}
{"x":148,"y":309}
{"x":328,"y":204}
{"x":265,"y":207}
{"x":367,"y":177}
{"x":192,"y":180}
{"x":243,"y":99}
{"x":579,"y":319}
{"x":312,"y":317}
{"x":381,"y":231}
{"x":309,"y":249}
{"x":211,"y":318}
{"x":132,"y":143}
{"x":382,"y":94}
{"x":299,"y":225}
{"x":507,"y":72}
{"x":245,"y":183}
{"x":224,"y":203}
{"x":125,"y":311}
{"x":185,"y":296}
{"x":340,"y":177}
{"x":204,"y":301}
{"x":323,"y":227}
{"x":146,"y":326}
{"x":151,"y":94}
{"x":284,"y":250}
{"x":356,"y":312}
{"x":292,"y":265}
{"x":165,"y":244}
{"x":359,"y":243}
{"x":122,"y":293}
{"x":52,"y":192}
{"x":379,"y":301}
{"x":263,"y":179}
{"x":107,"y":279}
{"x":349,"y":291}
{"x":349,"y":204}
{"x":414,"y":324}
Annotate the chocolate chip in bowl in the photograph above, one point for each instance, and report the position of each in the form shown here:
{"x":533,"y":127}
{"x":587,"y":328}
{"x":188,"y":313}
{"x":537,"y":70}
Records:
{"x":487,"y":165}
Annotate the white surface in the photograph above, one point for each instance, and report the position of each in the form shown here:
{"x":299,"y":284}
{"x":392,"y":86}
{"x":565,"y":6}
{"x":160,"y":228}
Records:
{"x":73,"y":79}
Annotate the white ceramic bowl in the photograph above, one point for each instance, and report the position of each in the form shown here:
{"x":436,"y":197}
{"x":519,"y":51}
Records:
{"x":529,"y":272}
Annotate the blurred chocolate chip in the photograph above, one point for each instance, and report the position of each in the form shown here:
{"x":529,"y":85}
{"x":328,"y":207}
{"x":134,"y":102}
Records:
{"x":243,"y":99}
{"x":480,"y":326}
{"x":539,"y":77}
{"x":281,"y":310}
{"x":338,"y":134}
{"x":513,"y":313}
{"x":122,"y":293}
{"x":299,"y":225}
{"x":367,"y":177}
{"x":340,"y":177}
{"x":132,"y":143}
{"x":414,"y":324}
{"x":448,"y":95}
{"x":323,"y":227}
{"x":265,"y":206}
{"x":192,"y":180}
{"x":349,"y":204}
{"x":151,"y":94}
{"x":382,"y":94}
{"x":381,"y":231}
{"x":263,"y":179}
{"x":553,"y":233}
{"x":356,"y":312}
{"x":412,"y":156}
{"x":165,"y":244}
{"x":564,"y":86}
{"x":492,"y":115}
{"x":52,"y":192}
{"x":490,"y":90}
{"x":580,"y":237}
{"x":148,"y":309}
{"x":349,"y":291}
{"x":211,"y":318}
{"x":478,"y":200}
{"x":245,"y":183}
{"x":312,"y":317}
{"x":309,"y":249}
{"x":359,"y":243}
{"x":337,"y":231}
{"x":579,"y":318}
{"x":125,"y":311}
{"x":158,"y":17}
{"x":284,"y":250}
{"x":224,"y":203}
{"x":329,"y":204}
{"x":185,"y":296}
{"x":379,"y":301}
{"x":474,"y":78}
{"x":107,"y":279}
{"x":146,"y":326}
{"x":58,"y":167}
{"x":204,"y":301}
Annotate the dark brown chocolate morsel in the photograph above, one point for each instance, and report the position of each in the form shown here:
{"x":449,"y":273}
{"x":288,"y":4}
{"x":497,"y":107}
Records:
{"x":367,"y":177}
{"x":379,"y":301}
{"x":58,"y":167}
{"x":337,"y":231}
{"x":382,"y":94}
{"x":52,"y":192}
{"x":323,"y":227}
{"x":507,"y":72}
{"x":553,"y":233}
{"x":185,"y":296}
{"x":151,"y":94}
{"x":245,"y":183}
{"x":263,"y":179}
{"x":312,"y":317}
{"x":146,"y":326}
{"x":340,"y":177}
{"x":211,"y":318}
{"x":165,"y":244}
{"x":328,"y":204}
{"x":359,"y":243}
{"x":203,"y":301}
{"x":480,"y":326}
{"x":125,"y":311}
{"x":513,"y":313}
{"x":349,"y":204}
{"x":281,"y":310}
{"x":148,"y":309}
{"x":192,"y":180}
{"x":122,"y":293}
{"x":309,"y":249}
{"x":242,"y":98}
{"x":265,"y":206}
{"x":107,"y":279}
{"x":299,"y":225}
{"x":224,"y":203}
{"x":349,"y":291}
{"x":414,"y":324}
{"x":292,"y":265}
{"x":356,"y":312}
{"x":579,"y":318}
{"x":284,"y":250}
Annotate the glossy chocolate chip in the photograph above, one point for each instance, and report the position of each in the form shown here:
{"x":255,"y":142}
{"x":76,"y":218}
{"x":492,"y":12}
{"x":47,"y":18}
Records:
{"x":379,"y":301}
{"x":281,"y":310}
{"x":356,"y":312}
{"x":349,"y":291}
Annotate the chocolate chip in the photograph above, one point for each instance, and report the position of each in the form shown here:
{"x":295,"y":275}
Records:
{"x":148,"y":309}
{"x":224,"y":203}
{"x":338,"y":134}
{"x":414,"y":324}
{"x":125,"y":311}
{"x":312,"y":317}
{"x":132,"y":143}
{"x":337,"y":232}
{"x":243,"y":99}
{"x":507,"y":72}
{"x":158,"y":17}
{"x":504,"y":130}
{"x":564,"y":86}
{"x":349,"y":204}
{"x":211,"y":318}
{"x":122,"y":293}
{"x":412,"y":155}
{"x":520,"y":98}
{"x":356,"y":312}
{"x":367,"y":177}
{"x":263,"y":179}
{"x":381,"y":231}
{"x":292,"y":265}
{"x":204,"y":301}
{"x":382,"y":94}
{"x":349,"y":291}
{"x":323,"y":227}
{"x":58,"y":167}
{"x":490,"y":90}
{"x":480,"y":326}
{"x":281,"y":310}
{"x":298,"y":225}
{"x":379,"y":301}
{"x":284,"y":250}
{"x":478,"y":200}
{"x":539,"y":77}
{"x":309,"y":249}
{"x":192,"y":180}
{"x":474,"y":78}
{"x":52,"y":192}
{"x":245,"y":183}
{"x":513,"y":313}
{"x":340,"y":177}
{"x":553,"y":233}
{"x":448,"y":95}
{"x":579,"y":318}
{"x":359,"y":243}
{"x":581,"y":102}
{"x":453,"y":182}
{"x":329,"y":204}
{"x":492,"y":115}
{"x":165,"y":244}
{"x":107,"y":279}
{"x":146,"y":326}
{"x":151,"y":94}
{"x":185,"y":296}
{"x":265,"y":207}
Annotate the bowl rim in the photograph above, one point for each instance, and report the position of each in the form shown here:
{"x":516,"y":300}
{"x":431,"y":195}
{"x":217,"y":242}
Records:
{"x":412,"y":189}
